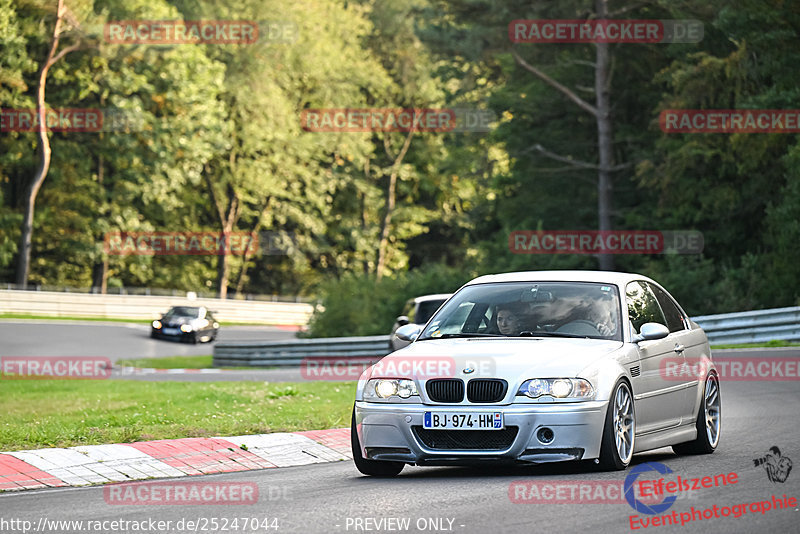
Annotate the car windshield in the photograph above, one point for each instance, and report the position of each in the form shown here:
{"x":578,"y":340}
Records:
{"x":530,"y":309}
{"x":183,"y":311}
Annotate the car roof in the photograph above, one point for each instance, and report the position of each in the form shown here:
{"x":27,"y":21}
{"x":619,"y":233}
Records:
{"x":604,"y":277}
{"x":437,"y":296}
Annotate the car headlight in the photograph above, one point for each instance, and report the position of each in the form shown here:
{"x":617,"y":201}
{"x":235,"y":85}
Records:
{"x":557,"y":387}
{"x":386,"y":388}
{"x":186,"y":328}
{"x":157,"y":324}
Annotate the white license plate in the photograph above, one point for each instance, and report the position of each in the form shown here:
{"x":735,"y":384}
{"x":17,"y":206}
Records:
{"x":171,"y":331}
{"x":463,"y":421}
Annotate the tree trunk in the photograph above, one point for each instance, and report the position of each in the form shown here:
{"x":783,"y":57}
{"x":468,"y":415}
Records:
{"x":247,"y":253}
{"x":227,"y":223}
{"x":100,"y":267}
{"x":223,"y":261}
{"x":100,"y":275}
{"x":390,"y":203}
{"x":387,"y":221}
{"x":43,"y":142}
{"x":223,"y":271}
{"x":604,"y":138}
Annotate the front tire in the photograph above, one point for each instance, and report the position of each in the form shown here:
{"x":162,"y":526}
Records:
{"x":708,"y":423}
{"x":373,"y":468}
{"x":616,"y":448}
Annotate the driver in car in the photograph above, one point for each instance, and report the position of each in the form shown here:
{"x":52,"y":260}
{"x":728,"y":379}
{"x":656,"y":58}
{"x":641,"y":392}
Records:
{"x":510,"y":319}
{"x":604,"y":317}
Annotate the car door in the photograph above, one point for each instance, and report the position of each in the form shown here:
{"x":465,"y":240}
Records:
{"x":693,"y":345}
{"x":659,"y":402}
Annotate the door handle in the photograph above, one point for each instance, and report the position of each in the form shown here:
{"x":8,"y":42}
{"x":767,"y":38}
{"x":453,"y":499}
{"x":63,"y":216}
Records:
{"x":679,"y":348}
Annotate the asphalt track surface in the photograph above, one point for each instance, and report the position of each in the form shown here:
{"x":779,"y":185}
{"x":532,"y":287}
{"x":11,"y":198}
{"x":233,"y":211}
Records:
{"x":113,"y":340}
{"x":334,"y":497}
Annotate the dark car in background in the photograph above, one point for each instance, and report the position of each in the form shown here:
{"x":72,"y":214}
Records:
{"x":186,"y":323}
{"x":416,"y":311}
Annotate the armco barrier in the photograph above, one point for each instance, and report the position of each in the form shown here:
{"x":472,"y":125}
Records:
{"x":742,"y":327}
{"x":757,"y":326}
{"x":292,"y":353}
{"x":59,"y":304}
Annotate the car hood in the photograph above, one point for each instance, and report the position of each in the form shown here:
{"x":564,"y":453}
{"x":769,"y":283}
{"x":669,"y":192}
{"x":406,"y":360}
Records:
{"x":494,"y":357}
{"x":178,"y":319}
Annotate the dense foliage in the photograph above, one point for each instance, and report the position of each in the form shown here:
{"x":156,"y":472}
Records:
{"x":219,"y":146}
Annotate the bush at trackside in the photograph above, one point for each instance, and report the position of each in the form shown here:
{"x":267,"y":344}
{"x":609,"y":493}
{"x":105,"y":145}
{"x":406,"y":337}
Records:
{"x":364,"y":306}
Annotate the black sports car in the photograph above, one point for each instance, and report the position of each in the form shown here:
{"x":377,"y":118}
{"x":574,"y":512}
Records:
{"x":186,"y":323}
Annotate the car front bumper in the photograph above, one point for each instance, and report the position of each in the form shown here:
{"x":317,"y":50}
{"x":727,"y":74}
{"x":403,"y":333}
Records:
{"x":179,"y":335}
{"x":394,"y":432}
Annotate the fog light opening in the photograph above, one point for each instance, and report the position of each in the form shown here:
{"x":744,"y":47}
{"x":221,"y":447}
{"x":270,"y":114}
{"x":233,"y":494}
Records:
{"x":545,"y":435}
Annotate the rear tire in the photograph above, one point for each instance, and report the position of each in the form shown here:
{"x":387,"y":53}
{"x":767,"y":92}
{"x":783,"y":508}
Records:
{"x":616,"y":447}
{"x":708,"y":422}
{"x":373,"y":468}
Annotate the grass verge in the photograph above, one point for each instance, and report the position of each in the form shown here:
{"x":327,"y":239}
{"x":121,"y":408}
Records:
{"x":170,"y":362}
{"x":70,"y":318}
{"x":769,"y":344}
{"x":105,"y":319}
{"x":64,"y":413}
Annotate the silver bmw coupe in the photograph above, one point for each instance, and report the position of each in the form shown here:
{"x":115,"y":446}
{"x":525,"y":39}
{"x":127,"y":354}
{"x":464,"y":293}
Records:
{"x":538,"y":367}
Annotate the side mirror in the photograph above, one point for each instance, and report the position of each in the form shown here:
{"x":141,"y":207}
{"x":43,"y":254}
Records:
{"x":651,"y":331}
{"x":402,"y":320}
{"x":408,"y":332}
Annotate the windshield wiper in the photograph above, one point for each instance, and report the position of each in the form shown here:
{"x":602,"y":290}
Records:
{"x":463,"y":335}
{"x":528,"y":333}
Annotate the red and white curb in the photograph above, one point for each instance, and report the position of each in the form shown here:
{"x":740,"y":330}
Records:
{"x":99,"y":464}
